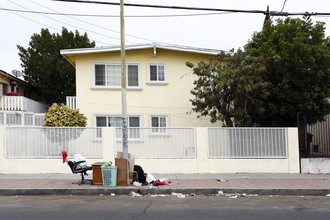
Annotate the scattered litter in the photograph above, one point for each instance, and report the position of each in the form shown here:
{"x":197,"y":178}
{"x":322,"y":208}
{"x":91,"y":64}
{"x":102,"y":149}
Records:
{"x":302,"y":196}
{"x":233,"y":197}
{"x":101,"y":195}
{"x":112,"y":194}
{"x":18,"y":196}
{"x":220,"y":192}
{"x":253,"y":195}
{"x":222,"y":180}
{"x":135,"y":183}
{"x":179,"y":195}
{"x":134,"y":194}
{"x":192,"y":194}
{"x":328,"y":195}
{"x":244,"y":195}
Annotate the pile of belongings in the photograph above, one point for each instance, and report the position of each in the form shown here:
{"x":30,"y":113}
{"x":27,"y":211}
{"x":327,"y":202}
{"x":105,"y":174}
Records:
{"x":146,"y":179}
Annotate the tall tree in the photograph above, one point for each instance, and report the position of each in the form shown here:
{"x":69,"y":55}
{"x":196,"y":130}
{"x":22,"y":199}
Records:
{"x":45,"y":68}
{"x":300,"y":80}
{"x":227,"y":85}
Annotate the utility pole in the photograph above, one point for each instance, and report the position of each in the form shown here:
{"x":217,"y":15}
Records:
{"x":123,"y":86}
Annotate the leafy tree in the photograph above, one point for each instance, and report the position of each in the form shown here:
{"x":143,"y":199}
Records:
{"x":46,"y":69}
{"x":300,"y":80}
{"x":227,"y":85}
{"x":63,"y":116}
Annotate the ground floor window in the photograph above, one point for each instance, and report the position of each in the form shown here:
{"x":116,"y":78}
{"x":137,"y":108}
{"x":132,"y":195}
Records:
{"x":158,"y":123}
{"x":116,"y":121}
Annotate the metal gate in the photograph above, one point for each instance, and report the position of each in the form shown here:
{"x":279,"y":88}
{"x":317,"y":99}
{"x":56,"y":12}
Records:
{"x":314,"y":134}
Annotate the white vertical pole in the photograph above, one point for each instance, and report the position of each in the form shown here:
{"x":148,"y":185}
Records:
{"x":123,"y":85}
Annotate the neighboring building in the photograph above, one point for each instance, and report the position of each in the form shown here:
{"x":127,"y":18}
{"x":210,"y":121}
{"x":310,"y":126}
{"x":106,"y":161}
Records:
{"x":12,"y":84}
{"x":158,"y":85}
{"x":17,"y":104}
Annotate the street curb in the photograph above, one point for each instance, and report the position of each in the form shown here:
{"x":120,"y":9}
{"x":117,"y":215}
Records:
{"x":145,"y":191}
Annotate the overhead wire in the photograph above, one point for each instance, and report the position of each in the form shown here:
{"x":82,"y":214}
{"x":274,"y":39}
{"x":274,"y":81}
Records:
{"x":272,"y":13}
{"x":107,"y":29}
{"x":116,"y":16}
{"x":72,"y":25}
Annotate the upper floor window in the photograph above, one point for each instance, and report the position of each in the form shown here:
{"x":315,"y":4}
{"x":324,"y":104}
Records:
{"x":4,"y":88}
{"x":108,"y":75}
{"x":157,"y":73}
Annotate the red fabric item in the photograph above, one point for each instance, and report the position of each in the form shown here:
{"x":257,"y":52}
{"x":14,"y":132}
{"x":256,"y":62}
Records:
{"x":163,"y":181}
{"x":64,"y":155}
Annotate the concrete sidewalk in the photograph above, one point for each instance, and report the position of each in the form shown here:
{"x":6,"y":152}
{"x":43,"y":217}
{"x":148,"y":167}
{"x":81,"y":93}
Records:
{"x":206,"y":184}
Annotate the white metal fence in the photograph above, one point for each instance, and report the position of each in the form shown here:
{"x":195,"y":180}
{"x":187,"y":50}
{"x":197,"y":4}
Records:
{"x":42,"y":142}
{"x":247,"y":143}
{"x":159,"y":142}
{"x":21,"y":119}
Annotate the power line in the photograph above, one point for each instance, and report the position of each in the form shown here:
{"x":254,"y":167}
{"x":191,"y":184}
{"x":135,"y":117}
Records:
{"x":271,"y":13}
{"x":71,"y":24}
{"x":112,"y":16}
{"x":93,"y":24}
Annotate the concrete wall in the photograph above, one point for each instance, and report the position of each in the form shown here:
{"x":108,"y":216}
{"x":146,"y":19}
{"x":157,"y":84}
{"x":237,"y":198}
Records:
{"x":315,"y":165}
{"x":200,"y":164}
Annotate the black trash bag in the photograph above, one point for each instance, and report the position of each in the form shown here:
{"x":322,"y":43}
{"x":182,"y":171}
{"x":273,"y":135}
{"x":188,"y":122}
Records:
{"x":142,"y":177}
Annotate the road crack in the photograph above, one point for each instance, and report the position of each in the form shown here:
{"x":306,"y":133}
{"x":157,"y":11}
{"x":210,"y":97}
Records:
{"x":144,"y":211}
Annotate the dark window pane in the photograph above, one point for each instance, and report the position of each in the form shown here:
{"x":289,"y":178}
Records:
{"x":100,"y":75}
{"x":153,"y":73}
{"x":134,"y":122}
{"x":133,"y":75}
{"x":101,"y":122}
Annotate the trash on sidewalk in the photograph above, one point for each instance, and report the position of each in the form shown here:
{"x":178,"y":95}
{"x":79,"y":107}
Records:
{"x":134,"y":194}
{"x":220,"y":192}
{"x":101,"y":195}
{"x":112,"y":195}
{"x":179,"y":195}
{"x":328,"y":195}
{"x":163,"y":181}
{"x":135,"y":183}
{"x":192,"y":194}
{"x":150,"y":178}
{"x":222,"y":180}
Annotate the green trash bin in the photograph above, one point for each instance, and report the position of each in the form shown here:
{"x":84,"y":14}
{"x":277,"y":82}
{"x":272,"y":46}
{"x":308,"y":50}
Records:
{"x":109,"y":176}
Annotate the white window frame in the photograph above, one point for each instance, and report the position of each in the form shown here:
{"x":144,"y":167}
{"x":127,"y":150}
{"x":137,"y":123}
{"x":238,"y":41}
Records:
{"x":119,"y":115}
{"x":157,"y":131}
{"x":165,"y":73}
{"x":94,"y":86}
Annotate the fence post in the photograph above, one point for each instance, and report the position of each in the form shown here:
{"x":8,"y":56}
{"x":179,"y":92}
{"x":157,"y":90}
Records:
{"x":293,"y":150}
{"x":2,"y":149}
{"x":202,"y":149}
{"x":108,"y":144}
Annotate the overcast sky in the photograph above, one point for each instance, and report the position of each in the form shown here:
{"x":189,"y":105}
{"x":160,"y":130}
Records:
{"x":220,"y":31}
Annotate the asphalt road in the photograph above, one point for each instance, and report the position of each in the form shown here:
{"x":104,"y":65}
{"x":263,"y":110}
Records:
{"x":169,"y":207}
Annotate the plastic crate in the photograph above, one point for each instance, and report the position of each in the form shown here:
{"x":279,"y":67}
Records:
{"x":109,"y":176}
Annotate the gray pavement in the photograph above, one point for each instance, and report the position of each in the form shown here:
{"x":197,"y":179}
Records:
{"x":205,"y":184}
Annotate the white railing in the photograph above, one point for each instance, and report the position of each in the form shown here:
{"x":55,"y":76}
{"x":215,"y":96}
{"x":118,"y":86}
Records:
{"x":247,"y":143}
{"x":20,"y":103}
{"x":21,"y":119}
{"x":162,"y":143}
{"x":33,"y":142}
{"x":71,"y":102}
